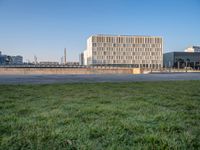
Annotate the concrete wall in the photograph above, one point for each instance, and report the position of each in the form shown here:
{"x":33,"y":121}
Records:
{"x":26,"y":71}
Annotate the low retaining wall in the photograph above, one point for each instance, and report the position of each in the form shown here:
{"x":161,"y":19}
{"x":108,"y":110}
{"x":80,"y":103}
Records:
{"x":34,"y":71}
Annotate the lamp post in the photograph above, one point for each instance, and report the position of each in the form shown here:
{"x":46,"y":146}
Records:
{"x":178,"y":65}
{"x":169,"y":66}
{"x":186,"y":66}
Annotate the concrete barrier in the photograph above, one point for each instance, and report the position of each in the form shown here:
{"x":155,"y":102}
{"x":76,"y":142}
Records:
{"x":137,"y":71}
{"x":39,"y":71}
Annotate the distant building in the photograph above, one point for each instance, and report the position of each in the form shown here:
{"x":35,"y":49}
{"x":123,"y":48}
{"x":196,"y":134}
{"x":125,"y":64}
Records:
{"x":3,"y":59}
{"x":193,"y":49}
{"x":65,"y":56}
{"x":85,"y":57}
{"x":48,"y":63}
{"x":122,"y":50}
{"x":17,"y":60}
{"x":72,"y":63}
{"x":81,"y":59}
{"x":181,"y":59}
{"x":10,"y":60}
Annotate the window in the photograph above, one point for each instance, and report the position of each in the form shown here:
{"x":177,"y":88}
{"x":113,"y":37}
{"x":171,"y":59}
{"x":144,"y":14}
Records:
{"x":94,"y":44}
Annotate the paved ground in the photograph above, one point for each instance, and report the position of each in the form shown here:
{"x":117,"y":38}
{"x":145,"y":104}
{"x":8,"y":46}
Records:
{"x":47,"y":79}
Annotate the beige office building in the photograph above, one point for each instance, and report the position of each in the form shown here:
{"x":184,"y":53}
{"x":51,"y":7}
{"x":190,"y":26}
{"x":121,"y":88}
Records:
{"x":126,"y":51}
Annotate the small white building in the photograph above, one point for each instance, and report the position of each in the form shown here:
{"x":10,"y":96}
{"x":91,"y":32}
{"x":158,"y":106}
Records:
{"x":193,"y":49}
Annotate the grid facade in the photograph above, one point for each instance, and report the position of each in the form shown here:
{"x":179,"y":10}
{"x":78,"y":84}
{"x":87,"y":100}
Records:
{"x":182,"y":59}
{"x":134,"y":51}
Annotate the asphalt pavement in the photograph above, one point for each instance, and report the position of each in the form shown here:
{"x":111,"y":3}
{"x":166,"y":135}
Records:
{"x":93,"y":78}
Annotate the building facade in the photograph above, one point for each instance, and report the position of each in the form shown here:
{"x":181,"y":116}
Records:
{"x":81,"y":59}
{"x":182,"y":60}
{"x":10,"y":60}
{"x":49,"y":63}
{"x":3,"y":59}
{"x":193,"y":49}
{"x":17,"y":60}
{"x":132,"y":51}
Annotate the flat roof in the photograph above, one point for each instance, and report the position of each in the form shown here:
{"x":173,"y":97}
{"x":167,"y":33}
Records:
{"x":113,"y":35}
{"x":183,"y":52}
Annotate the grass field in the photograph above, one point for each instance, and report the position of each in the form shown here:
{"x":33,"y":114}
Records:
{"x":140,"y":115}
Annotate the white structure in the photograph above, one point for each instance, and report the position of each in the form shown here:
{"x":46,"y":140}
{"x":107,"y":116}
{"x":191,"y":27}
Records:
{"x":65,"y":56}
{"x":193,"y":49}
{"x":86,"y":57}
{"x":134,"y":51}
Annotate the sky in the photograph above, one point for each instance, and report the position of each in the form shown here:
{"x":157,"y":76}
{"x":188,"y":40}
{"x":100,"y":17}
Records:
{"x":45,"y":27}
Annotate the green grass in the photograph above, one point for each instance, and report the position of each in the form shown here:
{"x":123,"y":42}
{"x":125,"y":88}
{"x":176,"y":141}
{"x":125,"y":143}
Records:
{"x":140,"y":115}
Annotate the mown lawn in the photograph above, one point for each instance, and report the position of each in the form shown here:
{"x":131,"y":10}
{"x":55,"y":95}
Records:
{"x":140,"y":115}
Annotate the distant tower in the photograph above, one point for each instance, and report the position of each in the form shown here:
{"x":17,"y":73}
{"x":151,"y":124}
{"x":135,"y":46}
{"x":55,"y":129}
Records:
{"x":35,"y":59}
{"x":61,"y":60}
{"x":65,"y":56}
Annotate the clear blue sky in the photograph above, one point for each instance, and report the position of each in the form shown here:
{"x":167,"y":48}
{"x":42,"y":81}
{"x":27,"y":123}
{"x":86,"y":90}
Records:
{"x":45,"y":27}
